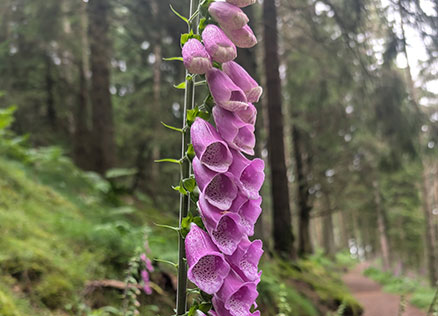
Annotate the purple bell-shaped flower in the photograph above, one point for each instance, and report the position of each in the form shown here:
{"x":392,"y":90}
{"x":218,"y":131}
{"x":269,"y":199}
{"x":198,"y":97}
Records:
{"x":209,"y":147}
{"x":207,"y":266}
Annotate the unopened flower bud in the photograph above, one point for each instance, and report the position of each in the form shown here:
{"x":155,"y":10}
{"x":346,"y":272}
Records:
{"x":195,"y":57}
{"x":227,"y":15}
{"x":218,"y":45}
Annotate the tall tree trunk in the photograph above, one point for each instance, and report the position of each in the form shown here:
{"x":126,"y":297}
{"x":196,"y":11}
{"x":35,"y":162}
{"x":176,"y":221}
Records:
{"x":102,"y":111}
{"x":431,"y":260}
{"x":327,"y":228}
{"x":50,"y":99}
{"x":81,"y":137}
{"x":304,"y":241}
{"x":381,"y":225}
{"x":155,"y":7}
{"x":282,"y":231}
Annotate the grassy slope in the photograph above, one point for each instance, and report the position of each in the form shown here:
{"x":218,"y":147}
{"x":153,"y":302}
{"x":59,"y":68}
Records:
{"x":58,"y":232}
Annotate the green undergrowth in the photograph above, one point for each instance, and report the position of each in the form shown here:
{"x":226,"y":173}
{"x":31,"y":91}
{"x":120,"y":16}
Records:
{"x":420,"y":294}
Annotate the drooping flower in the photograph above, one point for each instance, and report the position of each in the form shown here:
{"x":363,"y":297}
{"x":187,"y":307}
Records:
{"x":248,"y":210}
{"x":228,"y":16}
{"x":207,"y":266}
{"x":243,"y":80}
{"x":224,"y":227}
{"x":209,"y":147}
{"x":147,"y":262}
{"x":146,"y":282}
{"x":238,"y":134}
{"x":225,"y":92}
{"x":237,"y":296}
{"x":218,"y":45}
{"x":219,"y":189}
{"x":195,"y":57}
{"x":250,"y":174}
{"x":243,"y":37}
{"x":249,"y":115}
{"x":245,"y":259}
{"x":242,"y":3}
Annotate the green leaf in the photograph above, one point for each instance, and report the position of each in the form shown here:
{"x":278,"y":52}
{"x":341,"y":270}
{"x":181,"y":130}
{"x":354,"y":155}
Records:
{"x":189,"y":184}
{"x":177,"y":161}
{"x":179,"y":15}
{"x":168,"y":227}
{"x":184,"y":38}
{"x":180,"y":189}
{"x":190,"y":152}
{"x":175,"y":265}
{"x":193,"y":310}
{"x":182,"y":85}
{"x":198,"y":221}
{"x":173,"y":58}
{"x":204,"y":307}
{"x":185,"y":225}
{"x":191,"y":116}
{"x":172,"y":127}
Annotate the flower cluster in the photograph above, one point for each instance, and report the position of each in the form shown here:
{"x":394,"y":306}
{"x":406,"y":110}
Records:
{"x":222,"y":260}
{"x":147,"y":268}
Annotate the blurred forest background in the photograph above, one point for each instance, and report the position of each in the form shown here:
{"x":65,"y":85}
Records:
{"x":351,"y":148}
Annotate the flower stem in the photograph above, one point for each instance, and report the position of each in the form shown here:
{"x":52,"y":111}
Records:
{"x":189,"y":100}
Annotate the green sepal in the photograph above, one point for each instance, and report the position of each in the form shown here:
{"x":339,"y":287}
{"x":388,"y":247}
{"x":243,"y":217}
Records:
{"x":204,"y":307}
{"x":189,"y":184}
{"x":190,"y":152}
{"x":180,"y":188}
{"x":186,"y":221}
{"x":173,"y":58}
{"x":194,"y":113}
{"x":186,"y":36}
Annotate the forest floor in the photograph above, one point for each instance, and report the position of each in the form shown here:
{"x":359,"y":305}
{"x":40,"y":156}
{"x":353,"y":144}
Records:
{"x":370,"y":294}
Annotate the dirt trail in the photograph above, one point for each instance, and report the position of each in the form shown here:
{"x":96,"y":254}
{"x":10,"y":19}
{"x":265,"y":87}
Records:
{"x":374,"y":301}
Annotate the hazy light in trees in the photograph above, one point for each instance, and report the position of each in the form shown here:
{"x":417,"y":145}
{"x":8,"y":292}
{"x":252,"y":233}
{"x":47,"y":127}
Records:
{"x":329,"y":173}
{"x":347,"y":137}
{"x":113,"y":90}
{"x":145,"y":45}
{"x":435,"y":211}
{"x":431,"y":144}
{"x":424,"y":128}
{"x":434,"y":117}
{"x":176,"y":108}
{"x":349,"y":109}
{"x":151,"y":58}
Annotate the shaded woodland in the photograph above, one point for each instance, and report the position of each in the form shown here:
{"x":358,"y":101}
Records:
{"x":348,"y":123}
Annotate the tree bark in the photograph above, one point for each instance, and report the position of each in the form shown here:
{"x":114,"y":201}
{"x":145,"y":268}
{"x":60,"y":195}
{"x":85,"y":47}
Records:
{"x":102,"y":111}
{"x":327,"y":228}
{"x":81,"y":137}
{"x":430,"y":251}
{"x":304,"y":208}
{"x":381,"y":225}
{"x":282,"y":230}
{"x":50,"y":99}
